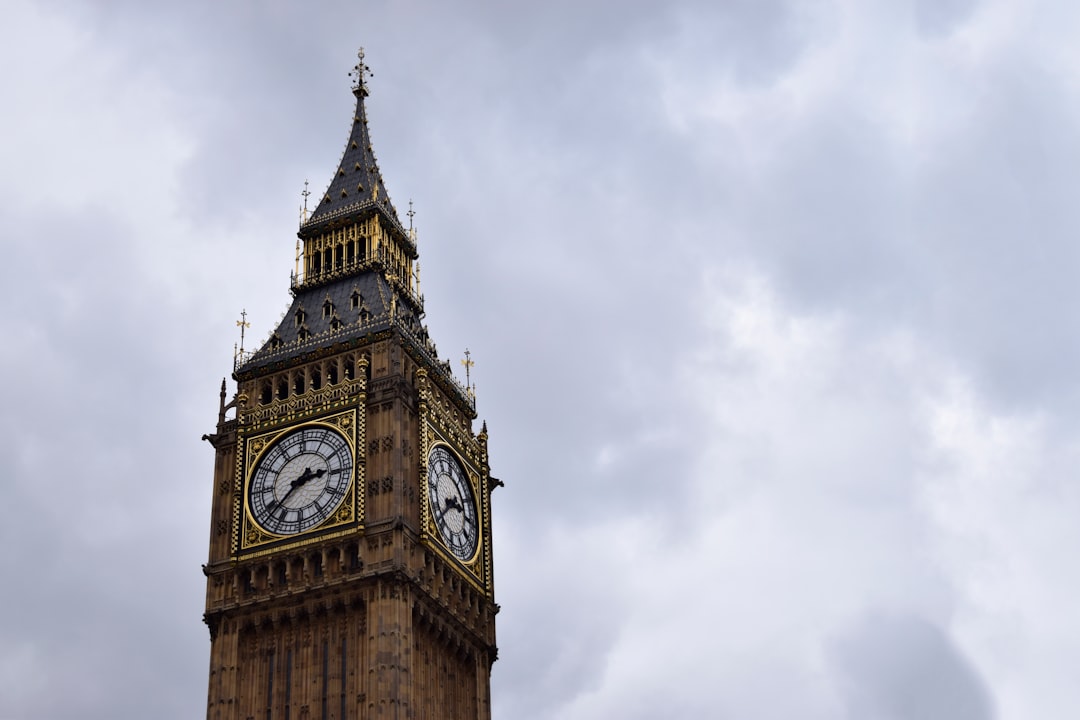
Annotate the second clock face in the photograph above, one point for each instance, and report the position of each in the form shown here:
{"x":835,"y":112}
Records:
{"x":300,"y":480}
{"x":452,"y":506}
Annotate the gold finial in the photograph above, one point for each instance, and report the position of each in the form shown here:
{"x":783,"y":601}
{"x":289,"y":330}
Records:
{"x":416,"y":272}
{"x":358,"y":72}
{"x":305,"y":194}
{"x":468,"y":363}
{"x":243,"y":324}
{"x":412,"y":230}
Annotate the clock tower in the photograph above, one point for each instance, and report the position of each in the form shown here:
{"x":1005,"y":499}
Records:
{"x":350,"y":565}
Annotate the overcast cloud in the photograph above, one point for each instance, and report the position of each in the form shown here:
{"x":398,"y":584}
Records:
{"x":773,"y":307}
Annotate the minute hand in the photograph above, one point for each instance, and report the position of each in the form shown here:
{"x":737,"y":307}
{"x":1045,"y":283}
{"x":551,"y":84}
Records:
{"x":304,"y":477}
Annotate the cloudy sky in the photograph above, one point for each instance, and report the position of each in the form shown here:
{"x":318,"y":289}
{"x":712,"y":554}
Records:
{"x":773,"y":307}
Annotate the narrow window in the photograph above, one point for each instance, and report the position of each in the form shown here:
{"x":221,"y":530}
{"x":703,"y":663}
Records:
{"x":316,"y":379}
{"x":283,"y":389}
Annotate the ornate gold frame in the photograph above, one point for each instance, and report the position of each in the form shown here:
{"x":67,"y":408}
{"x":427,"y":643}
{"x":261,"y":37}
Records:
{"x":248,"y":536}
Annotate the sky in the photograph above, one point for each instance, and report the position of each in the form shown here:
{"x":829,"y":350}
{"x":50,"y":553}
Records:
{"x":773,"y":307}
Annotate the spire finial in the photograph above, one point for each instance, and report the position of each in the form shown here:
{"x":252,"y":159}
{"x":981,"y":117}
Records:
{"x":468,"y":363}
{"x":358,"y":72}
{"x":304,"y":194}
{"x":243,"y":324}
{"x":412,"y":230}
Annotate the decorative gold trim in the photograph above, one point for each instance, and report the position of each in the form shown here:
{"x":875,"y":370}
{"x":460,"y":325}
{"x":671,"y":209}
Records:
{"x":476,"y":566}
{"x":300,"y":406}
{"x":301,"y":541}
{"x":248,"y":533}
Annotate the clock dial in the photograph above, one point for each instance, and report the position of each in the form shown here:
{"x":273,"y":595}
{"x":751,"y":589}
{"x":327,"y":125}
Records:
{"x":300,"y":480}
{"x":452,"y":505}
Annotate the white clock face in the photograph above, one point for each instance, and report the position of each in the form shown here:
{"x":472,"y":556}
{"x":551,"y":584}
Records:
{"x":301,"y":480}
{"x":453,"y":508}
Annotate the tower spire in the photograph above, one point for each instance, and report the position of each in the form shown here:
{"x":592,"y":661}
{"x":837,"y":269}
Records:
{"x":357,"y":188}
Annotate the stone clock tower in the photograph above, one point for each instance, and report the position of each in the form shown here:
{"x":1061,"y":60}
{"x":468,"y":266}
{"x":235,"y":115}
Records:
{"x":350,"y":568}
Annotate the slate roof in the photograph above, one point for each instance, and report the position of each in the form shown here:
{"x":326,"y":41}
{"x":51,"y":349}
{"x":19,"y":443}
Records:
{"x":357,"y":187}
{"x":305,"y":326}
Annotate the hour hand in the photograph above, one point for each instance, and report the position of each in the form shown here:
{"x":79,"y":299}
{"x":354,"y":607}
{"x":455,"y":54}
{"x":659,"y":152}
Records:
{"x":305,"y":476}
{"x":453,"y":502}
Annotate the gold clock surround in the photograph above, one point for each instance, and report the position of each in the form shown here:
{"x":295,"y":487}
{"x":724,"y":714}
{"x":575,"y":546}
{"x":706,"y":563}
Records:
{"x":349,"y":513}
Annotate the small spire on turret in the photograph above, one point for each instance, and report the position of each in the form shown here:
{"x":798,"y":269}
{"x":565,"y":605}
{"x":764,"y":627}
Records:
{"x":358,"y":72}
{"x":412,"y":230}
{"x":221,"y":405}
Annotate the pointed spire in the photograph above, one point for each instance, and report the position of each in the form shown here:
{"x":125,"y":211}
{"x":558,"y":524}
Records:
{"x":357,"y":187}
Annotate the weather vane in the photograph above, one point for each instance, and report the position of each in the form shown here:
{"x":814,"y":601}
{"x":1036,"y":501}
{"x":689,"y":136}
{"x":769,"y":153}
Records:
{"x":468,"y":363}
{"x":243,"y":324}
{"x":359,"y":71}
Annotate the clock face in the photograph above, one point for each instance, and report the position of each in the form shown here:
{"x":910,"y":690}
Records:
{"x":300,"y":480}
{"x":452,"y":505}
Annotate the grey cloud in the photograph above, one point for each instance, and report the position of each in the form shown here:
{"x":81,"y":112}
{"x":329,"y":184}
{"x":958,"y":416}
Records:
{"x":903,"y":667}
{"x":582,"y":172}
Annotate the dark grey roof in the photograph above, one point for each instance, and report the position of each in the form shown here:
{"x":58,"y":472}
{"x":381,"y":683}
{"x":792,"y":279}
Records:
{"x":378,"y":308}
{"x":325,"y":315}
{"x":357,"y":186}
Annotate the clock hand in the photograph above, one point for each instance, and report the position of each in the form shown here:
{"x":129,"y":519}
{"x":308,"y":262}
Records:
{"x":453,"y":502}
{"x":304,"y":477}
